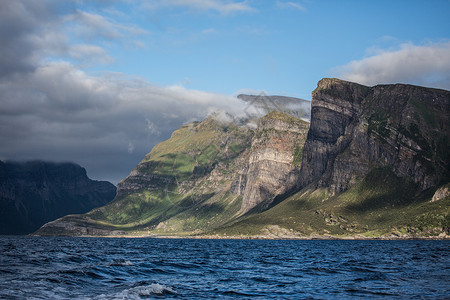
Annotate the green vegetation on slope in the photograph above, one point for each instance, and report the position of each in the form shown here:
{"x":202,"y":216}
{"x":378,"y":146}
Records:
{"x":185,"y":196}
{"x":380,"y":204}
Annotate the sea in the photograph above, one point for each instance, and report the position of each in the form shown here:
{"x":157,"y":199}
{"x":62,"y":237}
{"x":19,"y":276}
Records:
{"x":153,"y":268}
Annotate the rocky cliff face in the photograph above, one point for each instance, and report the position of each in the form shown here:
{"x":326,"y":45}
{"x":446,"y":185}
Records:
{"x":273,"y":165}
{"x":34,"y":193}
{"x":355,"y":128}
{"x":267,"y":164}
{"x":375,"y":164}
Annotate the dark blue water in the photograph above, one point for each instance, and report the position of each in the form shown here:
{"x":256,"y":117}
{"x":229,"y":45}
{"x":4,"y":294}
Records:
{"x":95,"y":268}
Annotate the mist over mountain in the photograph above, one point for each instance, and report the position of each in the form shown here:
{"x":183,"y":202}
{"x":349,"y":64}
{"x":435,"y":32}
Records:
{"x":262,"y":104}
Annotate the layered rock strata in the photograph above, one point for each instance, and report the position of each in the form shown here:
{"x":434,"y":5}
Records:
{"x":355,"y":128}
{"x":273,"y":165}
{"x":207,"y":174}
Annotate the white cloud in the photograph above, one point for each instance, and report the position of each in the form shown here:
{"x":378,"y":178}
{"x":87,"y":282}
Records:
{"x":52,"y":109}
{"x":223,"y":7}
{"x":34,"y":31}
{"x":130,"y":147}
{"x":94,"y":26}
{"x":23,"y":37}
{"x":291,"y":5}
{"x":58,"y":112}
{"x":209,"y":31}
{"x":139,"y":44}
{"x":90,"y":53}
{"x":427,"y":65}
{"x":152,"y":128}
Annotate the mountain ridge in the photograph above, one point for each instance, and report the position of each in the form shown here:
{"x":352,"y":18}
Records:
{"x":201,"y":178}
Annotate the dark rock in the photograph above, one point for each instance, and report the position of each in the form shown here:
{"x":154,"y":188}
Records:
{"x":355,"y":128}
{"x":33,"y":193}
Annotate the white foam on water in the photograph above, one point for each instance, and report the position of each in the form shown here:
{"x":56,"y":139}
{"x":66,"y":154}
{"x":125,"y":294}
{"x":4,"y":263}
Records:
{"x":141,"y":292}
{"x":154,"y":289}
{"x":122,"y":262}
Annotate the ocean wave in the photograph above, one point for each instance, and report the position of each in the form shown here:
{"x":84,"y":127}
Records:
{"x":121,"y":262}
{"x":140,"y":292}
{"x":94,"y":268}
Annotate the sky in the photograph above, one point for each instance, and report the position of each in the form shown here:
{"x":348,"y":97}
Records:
{"x":99,"y":83}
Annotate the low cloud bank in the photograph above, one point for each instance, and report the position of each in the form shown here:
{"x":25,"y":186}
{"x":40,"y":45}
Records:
{"x":106,"y":123}
{"x":51,"y":109}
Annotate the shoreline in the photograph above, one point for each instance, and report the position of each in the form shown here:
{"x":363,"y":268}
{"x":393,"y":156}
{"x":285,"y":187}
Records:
{"x":258,"y":237}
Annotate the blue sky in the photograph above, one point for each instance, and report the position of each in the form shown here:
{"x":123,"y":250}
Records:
{"x":282,"y":47}
{"x":101,"y":82}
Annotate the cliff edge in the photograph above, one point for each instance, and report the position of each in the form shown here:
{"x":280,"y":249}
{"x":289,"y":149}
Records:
{"x":355,"y":128}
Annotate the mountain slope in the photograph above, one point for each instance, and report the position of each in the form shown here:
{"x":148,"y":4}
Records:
{"x":381,"y":205}
{"x":206,"y":175}
{"x":376,"y":162}
{"x":34,"y":193}
{"x":373,"y":163}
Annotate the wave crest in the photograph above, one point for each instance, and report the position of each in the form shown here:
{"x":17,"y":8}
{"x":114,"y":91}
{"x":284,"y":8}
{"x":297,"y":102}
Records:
{"x":144,"y":291}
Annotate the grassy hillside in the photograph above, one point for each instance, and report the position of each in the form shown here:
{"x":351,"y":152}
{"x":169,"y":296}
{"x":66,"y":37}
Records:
{"x":193,"y":182}
{"x":187,"y":196}
{"x":382,"y":204}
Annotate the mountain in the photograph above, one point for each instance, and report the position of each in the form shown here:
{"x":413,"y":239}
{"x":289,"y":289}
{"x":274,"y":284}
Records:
{"x":373,"y":162}
{"x":356,"y":128}
{"x":36,"y":192}
{"x":207,"y":174}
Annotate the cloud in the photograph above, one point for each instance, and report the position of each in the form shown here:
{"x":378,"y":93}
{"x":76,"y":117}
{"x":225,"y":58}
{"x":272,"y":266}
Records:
{"x":90,"y":53}
{"x":20,"y":27}
{"x":31,"y":31}
{"x":58,"y":112}
{"x":222,"y":7}
{"x":95,"y":26}
{"x":130,"y":147}
{"x":51,"y":109}
{"x":290,"y":5}
{"x":209,"y":31}
{"x":427,"y":65}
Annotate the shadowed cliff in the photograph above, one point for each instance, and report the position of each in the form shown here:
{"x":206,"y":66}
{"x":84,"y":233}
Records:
{"x":355,"y":128}
{"x":34,"y":193}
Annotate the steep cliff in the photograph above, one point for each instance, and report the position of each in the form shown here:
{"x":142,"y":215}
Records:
{"x":355,"y":128}
{"x":34,"y":193}
{"x":207,"y":174}
{"x":273,"y":165}
{"x":375,"y":164}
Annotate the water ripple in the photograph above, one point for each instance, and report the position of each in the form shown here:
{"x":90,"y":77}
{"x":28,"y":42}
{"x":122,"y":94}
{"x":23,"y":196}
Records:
{"x":94,"y":268}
